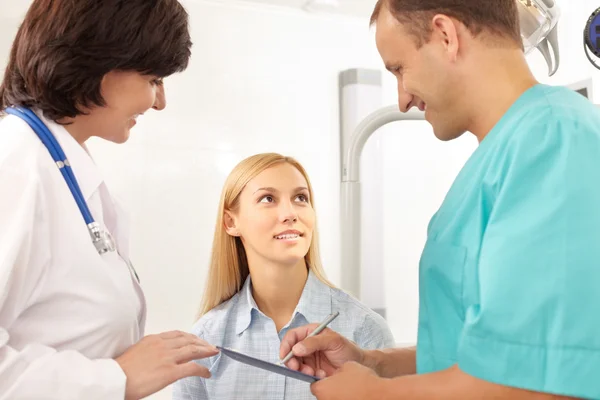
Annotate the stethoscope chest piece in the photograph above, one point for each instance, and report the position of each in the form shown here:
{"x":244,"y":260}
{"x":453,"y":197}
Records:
{"x":101,"y":238}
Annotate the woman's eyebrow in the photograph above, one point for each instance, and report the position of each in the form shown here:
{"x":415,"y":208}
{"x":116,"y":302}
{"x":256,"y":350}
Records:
{"x":272,"y":189}
{"x":266,"y":189}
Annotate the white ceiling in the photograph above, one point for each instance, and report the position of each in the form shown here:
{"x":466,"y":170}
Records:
{"x":356,"y":8}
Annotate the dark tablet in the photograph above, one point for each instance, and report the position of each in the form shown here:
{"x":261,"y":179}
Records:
{"x":278,"y":369}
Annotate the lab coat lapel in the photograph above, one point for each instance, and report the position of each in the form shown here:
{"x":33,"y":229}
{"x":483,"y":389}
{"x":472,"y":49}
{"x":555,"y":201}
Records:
{"x":86,"y":172}
{"x":102,"y":206}
{"x":121,"y":229}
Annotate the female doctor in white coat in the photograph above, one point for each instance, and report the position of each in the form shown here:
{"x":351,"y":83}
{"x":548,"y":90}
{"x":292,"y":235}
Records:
{"x":72,"y":311}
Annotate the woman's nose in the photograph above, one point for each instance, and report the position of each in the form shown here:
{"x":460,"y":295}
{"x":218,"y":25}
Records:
{"x":287,"y":212}
{"x":160,"y":101}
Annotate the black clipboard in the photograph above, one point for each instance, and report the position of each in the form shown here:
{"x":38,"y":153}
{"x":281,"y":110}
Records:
{"x":278,"y":369}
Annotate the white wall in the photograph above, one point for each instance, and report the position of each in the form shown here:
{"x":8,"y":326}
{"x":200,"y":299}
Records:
{"x":265,"y":79}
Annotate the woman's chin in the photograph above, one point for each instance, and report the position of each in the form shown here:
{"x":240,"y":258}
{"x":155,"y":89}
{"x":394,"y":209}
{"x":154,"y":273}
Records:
{"x":291,"y":260}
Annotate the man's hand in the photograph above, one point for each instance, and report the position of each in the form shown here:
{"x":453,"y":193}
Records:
{"x":352,"y":381}
{"x":321,"y":355}
{"x":156,"y":361}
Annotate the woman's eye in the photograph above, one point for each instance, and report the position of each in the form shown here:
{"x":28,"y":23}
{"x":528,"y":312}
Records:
{"x":303,"y":198}
{"x":267,"y":199}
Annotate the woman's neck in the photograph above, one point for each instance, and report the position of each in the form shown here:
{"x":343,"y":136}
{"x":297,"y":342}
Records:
{"x":78,"y":127}
{"x":277,"y":289}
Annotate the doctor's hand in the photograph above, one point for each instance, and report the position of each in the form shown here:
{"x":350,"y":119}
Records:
{"x":351,"y":382}
{"x":321,"y":355}
{"x":156,"y":361}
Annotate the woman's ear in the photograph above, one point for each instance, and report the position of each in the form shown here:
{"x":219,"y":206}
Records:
{"x":230,"y":224}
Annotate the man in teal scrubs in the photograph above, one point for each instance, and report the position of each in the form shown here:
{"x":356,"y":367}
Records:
{"x":509,"y":291}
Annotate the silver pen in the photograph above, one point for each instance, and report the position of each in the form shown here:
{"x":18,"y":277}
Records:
{"x":313,"y":333}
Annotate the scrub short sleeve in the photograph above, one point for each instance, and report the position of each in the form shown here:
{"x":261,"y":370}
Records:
{"x":536,"y":325}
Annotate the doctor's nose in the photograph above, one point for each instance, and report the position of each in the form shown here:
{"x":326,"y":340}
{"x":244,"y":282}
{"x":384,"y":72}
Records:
{"x":405,"y":99}
{"x":160,"y":101}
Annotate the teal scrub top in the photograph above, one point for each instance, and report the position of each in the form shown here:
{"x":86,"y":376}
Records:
{"x":509,"y":279}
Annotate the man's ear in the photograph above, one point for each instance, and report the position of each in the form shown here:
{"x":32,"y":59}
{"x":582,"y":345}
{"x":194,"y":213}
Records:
{"x":445,"y":30}
{"x":230,"y":224}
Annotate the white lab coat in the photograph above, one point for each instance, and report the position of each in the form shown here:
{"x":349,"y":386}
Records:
{"x":65,"y":310}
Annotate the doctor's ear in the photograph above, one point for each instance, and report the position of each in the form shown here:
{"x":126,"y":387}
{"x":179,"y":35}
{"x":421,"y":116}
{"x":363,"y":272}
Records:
{"x":229,"y":223}
{"x":447,"y":32}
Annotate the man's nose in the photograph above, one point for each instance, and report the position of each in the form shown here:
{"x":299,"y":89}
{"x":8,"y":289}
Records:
{"x":405,"y":100}
{"x":160,"y":102}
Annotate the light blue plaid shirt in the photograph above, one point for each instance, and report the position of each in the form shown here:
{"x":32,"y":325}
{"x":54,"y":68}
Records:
{"x":238,"y":324}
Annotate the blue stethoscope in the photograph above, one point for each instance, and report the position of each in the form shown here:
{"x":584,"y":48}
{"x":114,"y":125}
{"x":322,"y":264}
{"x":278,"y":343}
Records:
{"x":101,"y":238}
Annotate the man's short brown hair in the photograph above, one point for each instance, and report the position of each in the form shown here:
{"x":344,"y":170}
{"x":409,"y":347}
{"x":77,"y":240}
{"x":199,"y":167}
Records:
{"x":499,"y":17}
{"x":64,"y":48}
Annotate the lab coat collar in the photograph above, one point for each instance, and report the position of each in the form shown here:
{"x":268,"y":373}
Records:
{"x":86,"y":171}
{"x":314,"y":304}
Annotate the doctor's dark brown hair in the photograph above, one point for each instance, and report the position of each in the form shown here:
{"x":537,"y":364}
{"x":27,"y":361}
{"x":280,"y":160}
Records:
{"x":499,"y":17}
{"x":63,"y":49}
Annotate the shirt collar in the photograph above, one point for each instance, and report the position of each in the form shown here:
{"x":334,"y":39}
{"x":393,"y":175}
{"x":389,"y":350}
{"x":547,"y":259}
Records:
{"x":246,"y":304}
{"x":85,"y":170}
{"x":314,"y":304}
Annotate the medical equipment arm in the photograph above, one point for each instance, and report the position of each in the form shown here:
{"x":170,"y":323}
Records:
{"x":538,"y":20}
{"x":350,"y":191}
{"x":37,"y":371}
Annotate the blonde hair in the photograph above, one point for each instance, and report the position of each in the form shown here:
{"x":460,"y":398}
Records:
{"x":228,"y":268}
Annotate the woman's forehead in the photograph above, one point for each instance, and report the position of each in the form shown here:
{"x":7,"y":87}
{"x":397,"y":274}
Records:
{"x":281,"y":177}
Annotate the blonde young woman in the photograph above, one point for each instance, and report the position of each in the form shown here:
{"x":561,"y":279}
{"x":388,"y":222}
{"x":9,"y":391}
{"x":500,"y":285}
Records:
{"x":266,"y":278}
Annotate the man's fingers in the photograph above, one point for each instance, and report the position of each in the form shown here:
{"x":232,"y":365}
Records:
{"x":193,"y":352}
{"x":294,"y":336}
{"x":321,"y":374}
{"x":307,"y":370}
{"x":192,"y":369}
{"x":315,"y":388}
{"x":321,"y":342}
{"x":293,"y":364}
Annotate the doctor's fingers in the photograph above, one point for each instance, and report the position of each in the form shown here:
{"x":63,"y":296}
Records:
{"x":192,"y":352}
{"x":174,"y":335}
{"x":186,"y":340}
{"x":293,"y":336}
{"x":327,"y":341}
{"x":191,"y":369}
